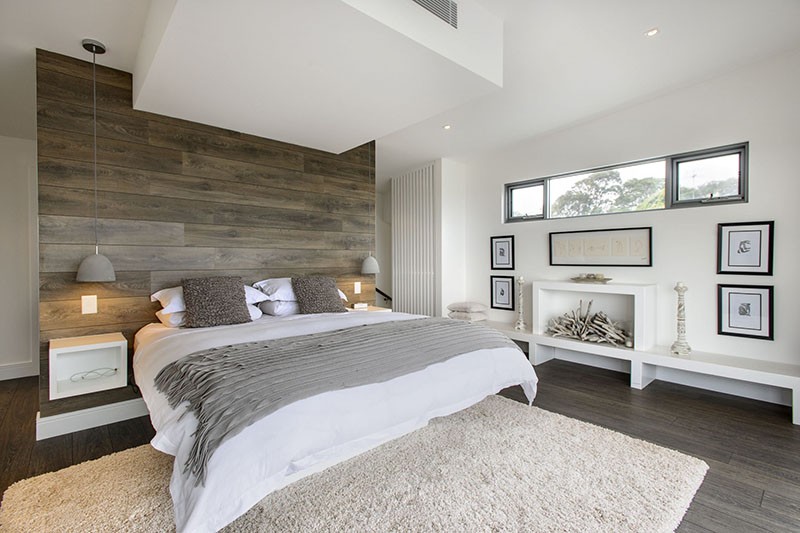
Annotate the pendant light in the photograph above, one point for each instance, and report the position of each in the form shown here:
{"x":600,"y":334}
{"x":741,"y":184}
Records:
{"x":96,"y":267}
{"x":370,"y":265}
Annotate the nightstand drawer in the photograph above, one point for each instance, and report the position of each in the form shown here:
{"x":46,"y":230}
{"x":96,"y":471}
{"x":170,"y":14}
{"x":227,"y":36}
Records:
{"x":80,"y":365}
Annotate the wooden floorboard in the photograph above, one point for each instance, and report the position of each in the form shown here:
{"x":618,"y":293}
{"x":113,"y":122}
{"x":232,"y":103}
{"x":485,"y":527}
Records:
{"x":751,"y":447}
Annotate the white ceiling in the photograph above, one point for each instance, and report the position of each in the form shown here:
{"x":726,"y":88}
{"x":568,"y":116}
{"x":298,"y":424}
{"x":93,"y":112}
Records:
{"x":565,"y":61}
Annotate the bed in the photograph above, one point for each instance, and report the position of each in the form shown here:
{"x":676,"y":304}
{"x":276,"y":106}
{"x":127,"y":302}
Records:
{"x":308,"y":435}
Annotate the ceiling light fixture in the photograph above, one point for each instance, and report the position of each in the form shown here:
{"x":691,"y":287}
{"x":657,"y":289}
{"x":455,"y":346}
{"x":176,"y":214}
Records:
{"x":652,"y":32}
{"x":447,"y":127}
{"x":95,"y":267}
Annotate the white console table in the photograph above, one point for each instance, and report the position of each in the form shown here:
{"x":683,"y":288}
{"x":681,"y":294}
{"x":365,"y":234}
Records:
{"x":636,"y":304}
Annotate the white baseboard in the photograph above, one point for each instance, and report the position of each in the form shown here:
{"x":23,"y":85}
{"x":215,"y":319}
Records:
{"x":19,"y":370}
{"x":53,"y":426}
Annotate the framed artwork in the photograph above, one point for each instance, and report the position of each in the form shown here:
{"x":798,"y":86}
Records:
{"x":502,"y":252}
{"x":745,"y":311}
{"x":745,"y":248}
{"x":602,"y":247}
{"x":502,"y":292}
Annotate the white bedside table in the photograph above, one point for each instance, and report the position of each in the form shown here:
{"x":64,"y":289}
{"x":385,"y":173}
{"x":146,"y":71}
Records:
{"x":79,"y":365}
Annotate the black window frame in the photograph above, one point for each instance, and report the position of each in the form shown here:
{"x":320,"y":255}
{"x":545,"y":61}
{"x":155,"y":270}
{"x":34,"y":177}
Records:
{"x":671,"y":185}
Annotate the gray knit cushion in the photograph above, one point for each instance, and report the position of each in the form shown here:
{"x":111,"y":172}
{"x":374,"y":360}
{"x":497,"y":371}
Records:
{"x":316,"y":294}
{"x":215,"y":301}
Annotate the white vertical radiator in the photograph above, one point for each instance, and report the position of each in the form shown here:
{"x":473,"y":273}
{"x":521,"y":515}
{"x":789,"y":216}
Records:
{"x":414,"y":242}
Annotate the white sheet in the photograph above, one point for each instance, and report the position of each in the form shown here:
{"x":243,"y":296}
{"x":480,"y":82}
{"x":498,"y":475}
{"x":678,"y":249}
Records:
{"x":312,"y":434}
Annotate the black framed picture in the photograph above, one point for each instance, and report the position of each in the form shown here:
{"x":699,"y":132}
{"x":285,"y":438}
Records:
{"x":502,"y":252}
{"x":745,"y":248}
{"x":502,"y":292}
{"x":745,"y":311}
{"x":602,"y":247}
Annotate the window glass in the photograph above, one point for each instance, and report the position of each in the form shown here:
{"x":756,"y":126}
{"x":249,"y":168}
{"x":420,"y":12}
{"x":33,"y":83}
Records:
{"x":712,"y":177}
{"x":615,"y":190}
{"x":527,"y":201}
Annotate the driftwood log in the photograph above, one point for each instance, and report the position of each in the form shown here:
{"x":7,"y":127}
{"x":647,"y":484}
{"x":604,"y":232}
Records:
{"x":587,"y":327}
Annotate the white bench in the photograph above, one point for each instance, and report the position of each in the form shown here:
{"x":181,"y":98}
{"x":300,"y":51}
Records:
{"x":644,"y":363}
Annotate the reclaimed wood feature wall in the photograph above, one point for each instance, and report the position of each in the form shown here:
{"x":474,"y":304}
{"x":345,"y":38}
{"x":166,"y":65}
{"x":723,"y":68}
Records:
{"x":178,"y":199}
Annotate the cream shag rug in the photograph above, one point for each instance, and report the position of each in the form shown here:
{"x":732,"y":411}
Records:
{"x":498,"y":466}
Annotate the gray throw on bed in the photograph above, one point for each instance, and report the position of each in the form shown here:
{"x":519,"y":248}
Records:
{"x":230,"y":387}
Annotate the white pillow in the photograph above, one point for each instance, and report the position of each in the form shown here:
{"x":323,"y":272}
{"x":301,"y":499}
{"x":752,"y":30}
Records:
{"x":472,"y":317}
{"x":281,"y":289}
{"x":279,"y":307}
{"x":171,"y":299}
{"x":172,"y":320}
{"x":253,"y":296}
{"x":468,"y":307}
{"x":255,"y":312}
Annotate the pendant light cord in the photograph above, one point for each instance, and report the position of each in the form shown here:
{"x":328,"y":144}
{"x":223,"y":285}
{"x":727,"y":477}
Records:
{"x":94,"y":135}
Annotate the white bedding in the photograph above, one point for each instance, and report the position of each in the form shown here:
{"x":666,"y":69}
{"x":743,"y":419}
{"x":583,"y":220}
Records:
{"x":312,"y":434}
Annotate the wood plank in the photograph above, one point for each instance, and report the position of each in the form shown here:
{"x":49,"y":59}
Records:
{"x":17,"y":433}
{"x":57,"y":115}
{"x":78,"y":147}
{"x":346,"y":187}
{"x":79,"y":175}
{"x":253,"y":258}
{"x":331,"y":166}
{"x":83,"y":69}
{"x":75,"y":90}
{"x":171,"y":137}
{"x":67,"y":257}
{"x":340,"y":204}
{"x":265,"y":237}
{"x":235,"y":215}
{"x":359,"y":224}
{"x":91,"y":444}
{"x":232,"y":193}
{"x":128,"y":330}
{"x":130,"y":433}
{"x":64,"y":314}
{"x":54,"y":229}
{"x":787,"y":506}
{"x":78,"y":202}
{"x":55,"y":286}
{"x":84,"y":401}
{"x":206,"y":166}
{"x":51,"y":454}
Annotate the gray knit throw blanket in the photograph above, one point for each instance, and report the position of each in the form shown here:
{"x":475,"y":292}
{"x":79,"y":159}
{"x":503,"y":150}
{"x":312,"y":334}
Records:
{"x":230,"y":387}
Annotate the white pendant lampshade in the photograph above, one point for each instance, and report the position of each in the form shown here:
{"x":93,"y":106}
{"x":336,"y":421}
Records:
{"x":370,"y":265}
{"x":95,"y":267}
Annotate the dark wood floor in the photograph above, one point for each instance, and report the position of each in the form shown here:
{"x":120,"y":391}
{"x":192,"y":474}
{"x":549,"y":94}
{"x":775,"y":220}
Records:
{"x":753,"y":450}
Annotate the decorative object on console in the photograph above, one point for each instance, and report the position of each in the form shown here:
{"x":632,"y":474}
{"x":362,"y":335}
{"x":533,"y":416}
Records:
{"x":520,"y":325}
{"x":96,"y":267}
{"x":745,"y":311}
{"x":471,"y":311}
{"x":370,"y":265}
{"x":587,"y":327}
{"x":680,"y":346}
{"x":745,"y":248}
{"x":502,"y":292}
{"x":591,"y":278}
{"x":602,"y":247}
{"x":502,"y":249}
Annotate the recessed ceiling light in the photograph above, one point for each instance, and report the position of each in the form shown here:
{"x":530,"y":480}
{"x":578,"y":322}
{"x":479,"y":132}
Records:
{"x":652,"y":32}
{"x":446,"y":127}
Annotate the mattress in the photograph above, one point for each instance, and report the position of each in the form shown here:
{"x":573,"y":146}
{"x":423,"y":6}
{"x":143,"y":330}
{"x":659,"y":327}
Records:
{"x":309,"y":435}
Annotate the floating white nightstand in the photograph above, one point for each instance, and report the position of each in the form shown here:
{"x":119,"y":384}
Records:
{"x":79,"y":365}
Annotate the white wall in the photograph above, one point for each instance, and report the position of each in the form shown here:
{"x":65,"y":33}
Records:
{"x":451,"y":274}
{"x":18,"y":279}
{"x":756,"y":104}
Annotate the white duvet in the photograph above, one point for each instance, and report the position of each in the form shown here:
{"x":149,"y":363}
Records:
{"x":312,"y":434}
